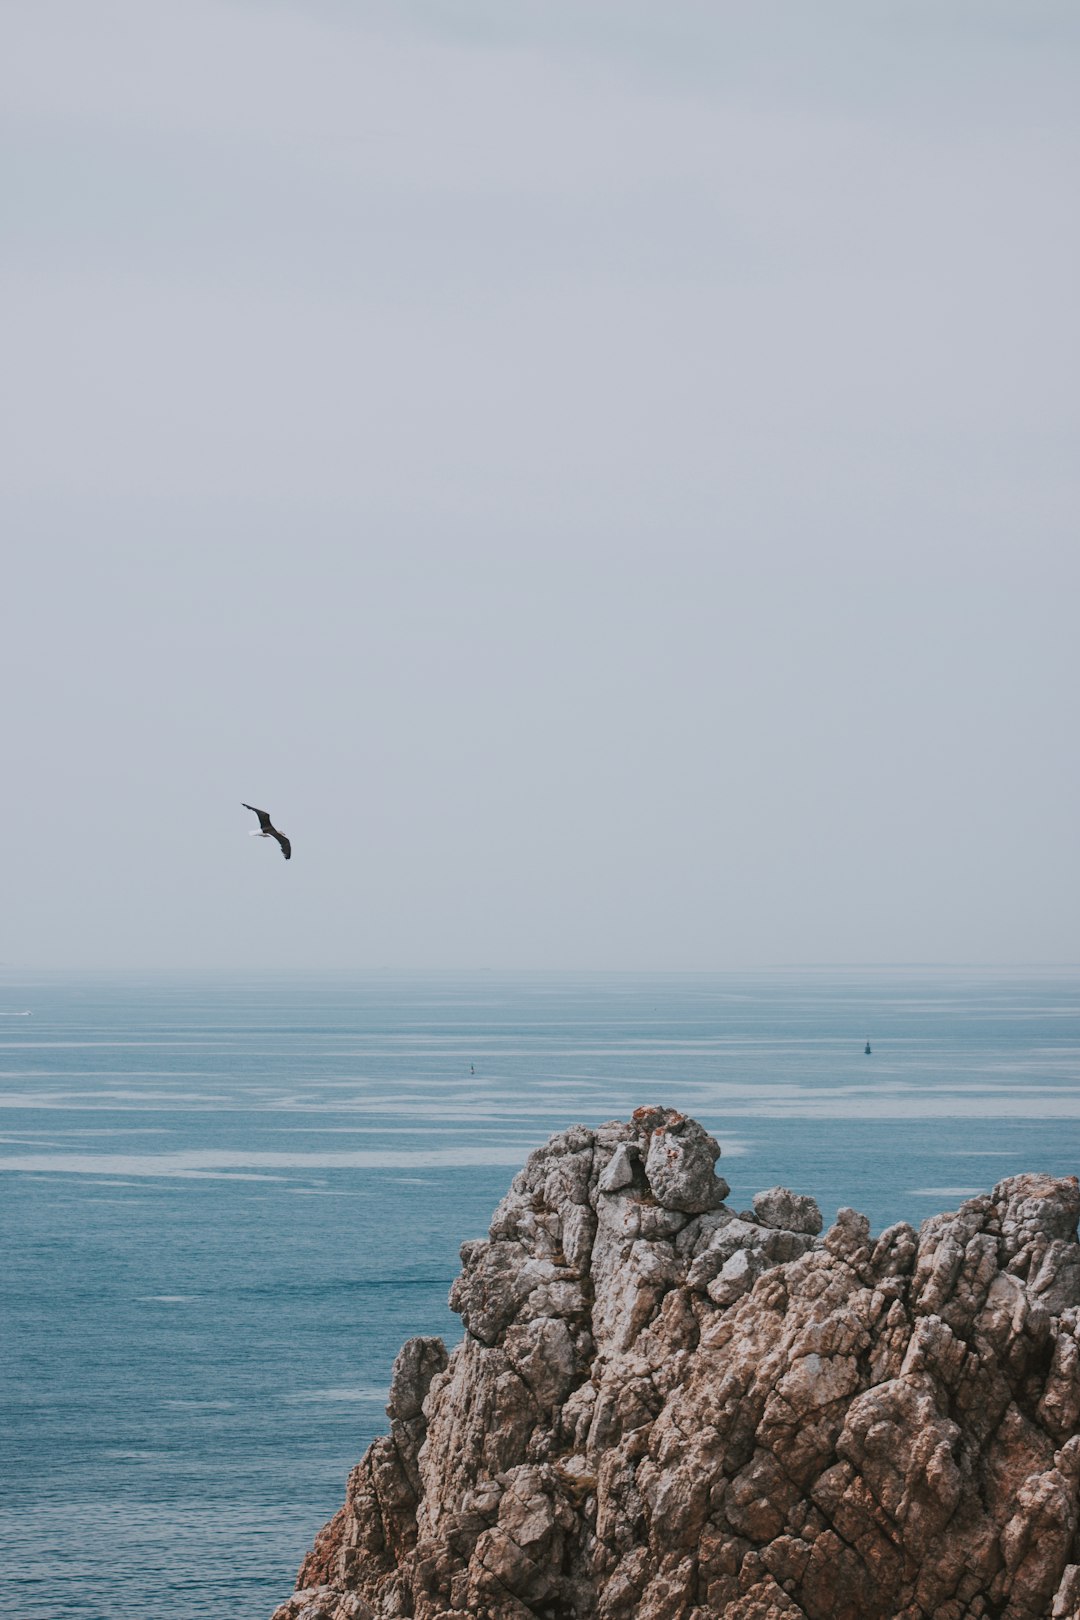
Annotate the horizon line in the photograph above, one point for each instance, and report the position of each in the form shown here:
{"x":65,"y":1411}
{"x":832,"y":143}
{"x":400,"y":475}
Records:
{"x":385,"y":969}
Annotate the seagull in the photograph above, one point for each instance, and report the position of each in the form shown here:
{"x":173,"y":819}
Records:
{"x":266,"y":830}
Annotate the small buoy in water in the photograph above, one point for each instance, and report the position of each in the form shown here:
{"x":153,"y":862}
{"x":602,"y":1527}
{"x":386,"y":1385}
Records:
{"x":868,"y":1048}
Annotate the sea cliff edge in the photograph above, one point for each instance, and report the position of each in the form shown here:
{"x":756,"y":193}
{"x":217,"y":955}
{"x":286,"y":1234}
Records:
{"x":663,"y":1409}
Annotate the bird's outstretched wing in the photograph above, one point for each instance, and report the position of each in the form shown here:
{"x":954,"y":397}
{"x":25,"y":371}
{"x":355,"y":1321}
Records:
{"x":286,"y":847}
{"x":263,"y":815}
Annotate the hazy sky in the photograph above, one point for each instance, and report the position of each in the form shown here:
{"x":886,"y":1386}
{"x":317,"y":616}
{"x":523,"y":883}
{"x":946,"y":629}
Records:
{"x":603,"y":474}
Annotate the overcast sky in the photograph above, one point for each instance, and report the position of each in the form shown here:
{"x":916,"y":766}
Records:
{"x":602,"y":474}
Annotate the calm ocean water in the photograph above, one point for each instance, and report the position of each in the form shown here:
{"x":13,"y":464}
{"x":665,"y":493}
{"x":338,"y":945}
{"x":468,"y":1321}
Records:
{"x":225,"y":1204}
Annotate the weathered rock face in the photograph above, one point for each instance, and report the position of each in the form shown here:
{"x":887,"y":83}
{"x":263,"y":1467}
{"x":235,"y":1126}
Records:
{"x":663,"y":1410}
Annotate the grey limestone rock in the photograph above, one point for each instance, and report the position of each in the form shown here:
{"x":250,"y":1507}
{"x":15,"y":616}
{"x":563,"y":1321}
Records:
{"x":679,"y":1166}
{"x":788,"y":1211}
{"x":619,"y":1172}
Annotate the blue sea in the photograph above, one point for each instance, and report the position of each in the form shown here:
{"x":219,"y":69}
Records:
{"x":226,"y":1203}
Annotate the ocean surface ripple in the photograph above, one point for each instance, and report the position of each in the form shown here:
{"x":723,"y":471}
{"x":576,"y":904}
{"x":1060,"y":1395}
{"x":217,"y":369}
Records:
{"x":226,"y":1203}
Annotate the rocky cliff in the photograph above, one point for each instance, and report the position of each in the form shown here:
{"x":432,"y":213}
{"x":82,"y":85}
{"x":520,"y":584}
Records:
{"x":665,"y":1410}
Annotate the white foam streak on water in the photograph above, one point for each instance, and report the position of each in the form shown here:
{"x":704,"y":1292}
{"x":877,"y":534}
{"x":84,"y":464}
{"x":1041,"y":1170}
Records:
{"x":945,"y":1192}
{"x":328,"y":1192}
{"x":96,"y":1098}
{"x":80,"y":1046}
{"x":841,"y":1106}
{"x":981,"y":1153}
{"x":203,"y":1161}
{"x":901,"y":1100}
{"x":224,"y":1175}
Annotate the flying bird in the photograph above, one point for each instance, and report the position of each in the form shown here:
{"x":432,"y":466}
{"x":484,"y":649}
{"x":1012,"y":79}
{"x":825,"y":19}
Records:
{"x":268,"y":830}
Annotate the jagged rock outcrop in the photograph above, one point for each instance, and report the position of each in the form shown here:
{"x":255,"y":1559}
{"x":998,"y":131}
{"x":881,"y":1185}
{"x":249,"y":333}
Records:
{"x":664,"y":1410}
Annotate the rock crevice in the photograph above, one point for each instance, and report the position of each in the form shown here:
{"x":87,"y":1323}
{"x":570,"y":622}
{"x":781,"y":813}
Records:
{"x":666,"y":1409}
